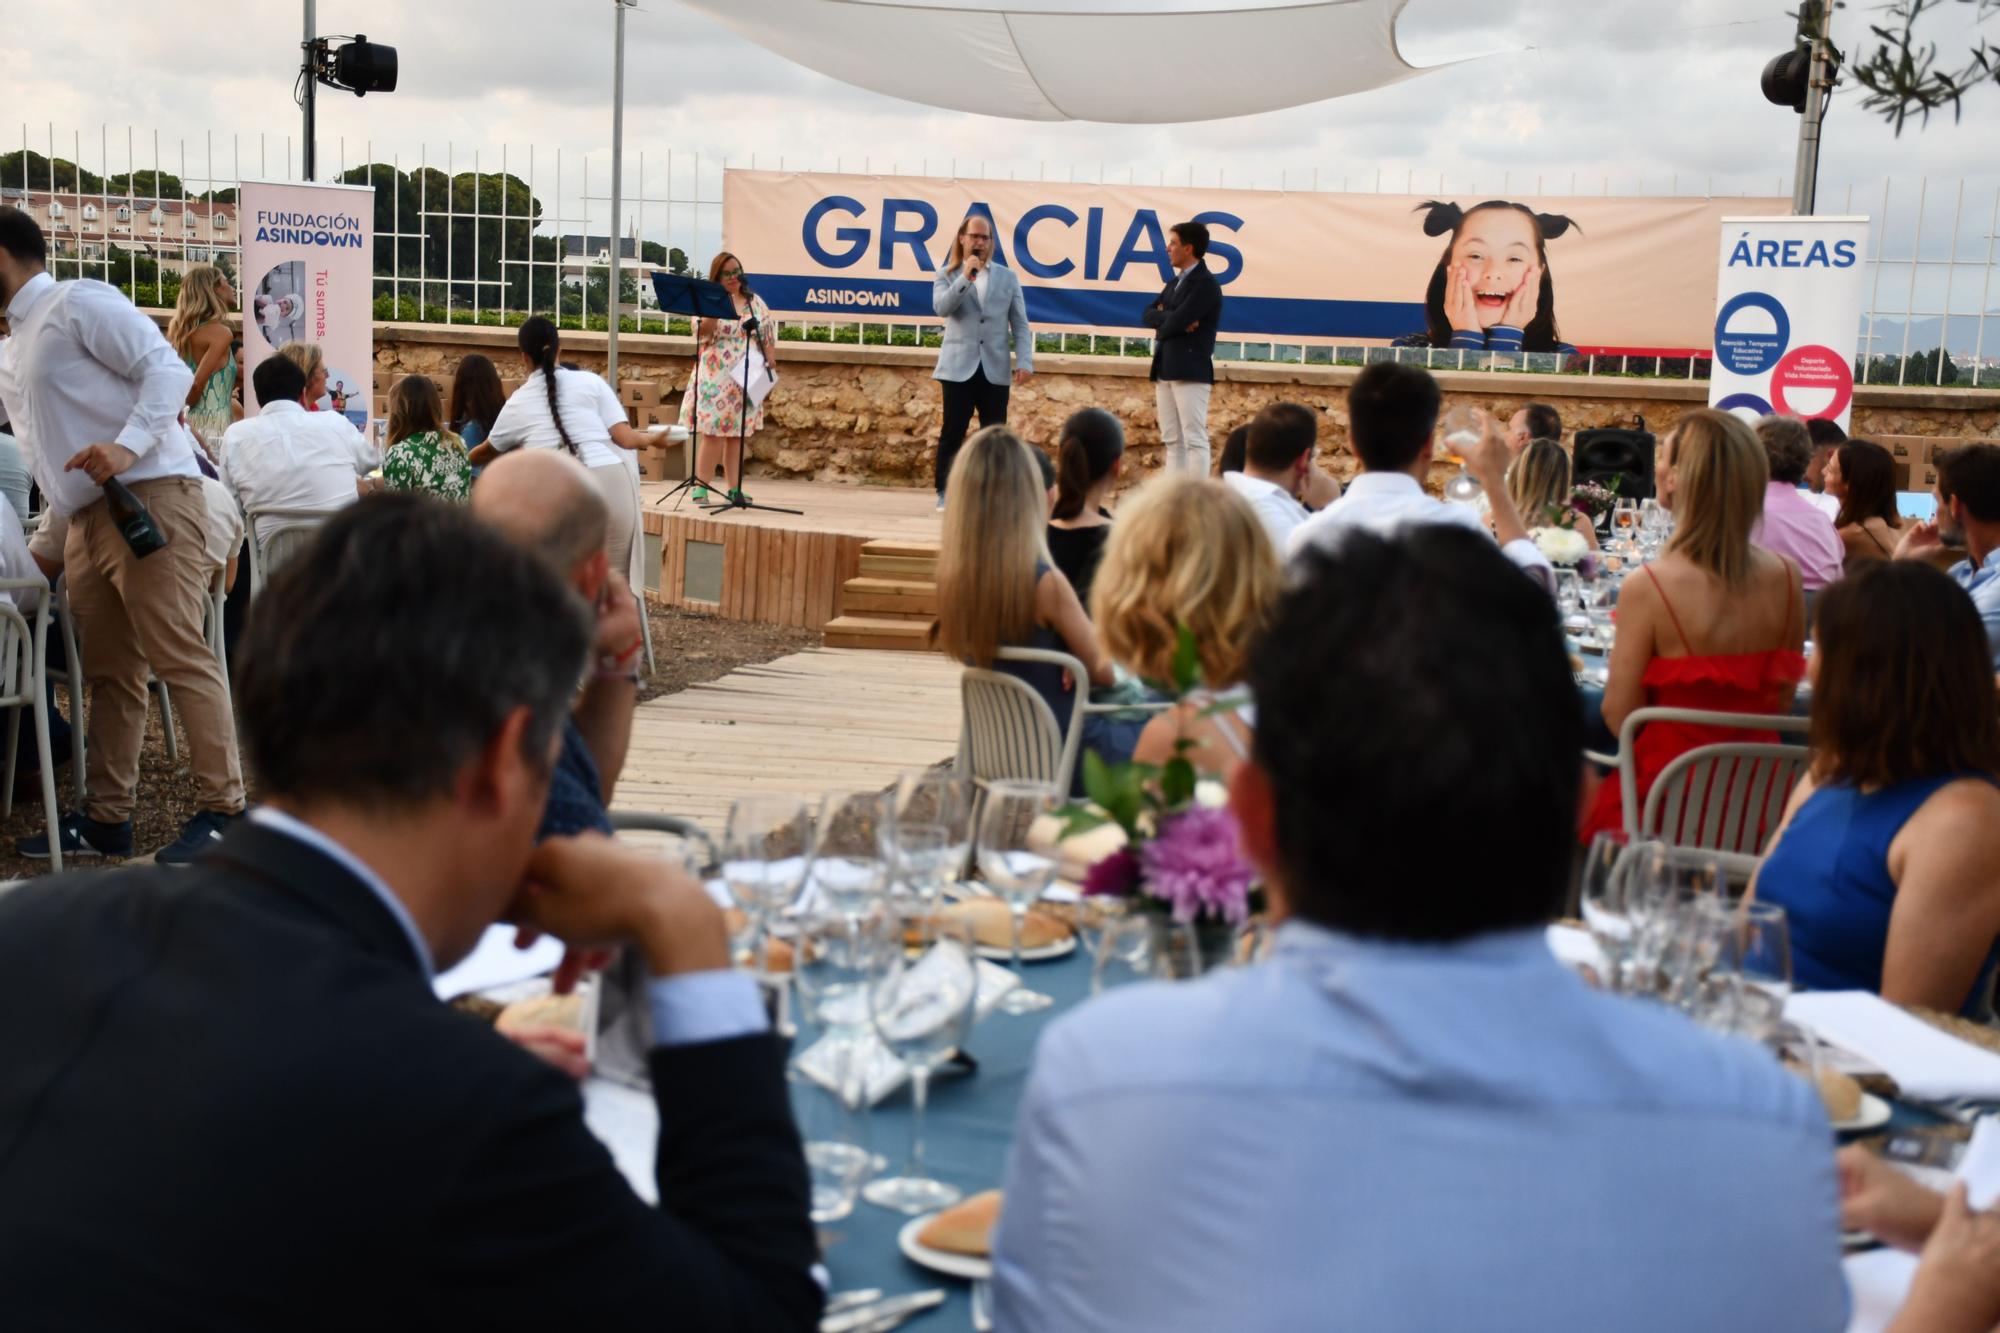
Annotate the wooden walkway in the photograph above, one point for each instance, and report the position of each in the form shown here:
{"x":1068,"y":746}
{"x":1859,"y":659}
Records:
{"x":824,"y":720}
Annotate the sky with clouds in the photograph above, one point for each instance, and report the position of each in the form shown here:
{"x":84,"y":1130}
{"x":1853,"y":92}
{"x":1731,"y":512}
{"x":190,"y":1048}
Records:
{"x":1639,"y":96}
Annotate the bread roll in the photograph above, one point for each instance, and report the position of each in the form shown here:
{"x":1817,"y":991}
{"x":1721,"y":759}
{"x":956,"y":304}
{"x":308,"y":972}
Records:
{"x":544,"y":1011}
{"x":992,"y":924}
{"x":965,"y":1228}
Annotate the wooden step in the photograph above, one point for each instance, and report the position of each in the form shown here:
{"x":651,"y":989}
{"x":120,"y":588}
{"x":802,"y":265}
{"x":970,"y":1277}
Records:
{"x":891,"y":597}
{"x":920,"y":549}
{"x":898,"y":566}
{"x":851,"y":631}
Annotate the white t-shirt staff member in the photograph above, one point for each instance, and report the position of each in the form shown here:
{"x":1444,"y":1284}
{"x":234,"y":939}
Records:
{"x":96,"y":393}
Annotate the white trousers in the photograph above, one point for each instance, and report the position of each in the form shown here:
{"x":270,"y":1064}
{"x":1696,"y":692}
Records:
{"x":1183,"y":407}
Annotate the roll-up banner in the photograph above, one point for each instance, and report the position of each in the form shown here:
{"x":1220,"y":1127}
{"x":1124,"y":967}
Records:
{"x":1611,"y":276}
{"x":309,"y":276}
{"x":1788,"y":316}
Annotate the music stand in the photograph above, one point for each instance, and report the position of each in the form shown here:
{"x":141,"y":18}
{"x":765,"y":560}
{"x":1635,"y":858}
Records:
{"x":699,"y":299}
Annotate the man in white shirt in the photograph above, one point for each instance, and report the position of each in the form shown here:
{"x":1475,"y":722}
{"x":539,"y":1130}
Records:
{"x":1277,"y":464}
{"x":95,"y":392}
{"x":1392,"y":413}
{"x":288,"y":458}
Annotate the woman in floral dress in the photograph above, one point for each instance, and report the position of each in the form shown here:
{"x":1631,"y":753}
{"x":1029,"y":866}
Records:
{"x":422,"y":454}
{"x":717,"y":390}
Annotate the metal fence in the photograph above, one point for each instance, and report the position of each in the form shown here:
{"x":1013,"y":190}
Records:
{"x":492,"y":235}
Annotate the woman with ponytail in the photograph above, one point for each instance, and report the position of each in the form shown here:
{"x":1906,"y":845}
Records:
{"x":577,"y":412}
{"x":1089,"y":459}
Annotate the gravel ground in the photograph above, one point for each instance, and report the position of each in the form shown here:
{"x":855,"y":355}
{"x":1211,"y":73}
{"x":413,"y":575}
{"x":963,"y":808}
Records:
{"x":689,"y":648}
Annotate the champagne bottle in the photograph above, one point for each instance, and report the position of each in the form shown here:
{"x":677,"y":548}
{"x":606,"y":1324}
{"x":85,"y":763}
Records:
{"x":134,"y":520}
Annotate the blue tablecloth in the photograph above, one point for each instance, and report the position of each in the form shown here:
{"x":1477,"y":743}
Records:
{"x":968,"y":1126}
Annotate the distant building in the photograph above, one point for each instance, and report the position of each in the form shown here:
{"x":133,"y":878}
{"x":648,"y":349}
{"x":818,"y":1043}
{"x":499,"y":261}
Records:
{"x":174,"y":232}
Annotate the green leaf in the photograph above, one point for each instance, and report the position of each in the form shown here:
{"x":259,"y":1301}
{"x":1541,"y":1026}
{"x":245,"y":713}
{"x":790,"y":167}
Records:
{"x":1187,"y":660}
{"x":1080,"y":819}
{"x":1177,"y":782}
{"x":1119,"y":790}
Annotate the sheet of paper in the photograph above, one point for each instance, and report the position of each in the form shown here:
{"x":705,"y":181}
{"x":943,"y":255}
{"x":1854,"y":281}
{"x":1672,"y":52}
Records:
{"x":625,"y":1121}
{"x":1877,"y":1281}
{"x":496,"y":962}
{"x":1927,"y":1064}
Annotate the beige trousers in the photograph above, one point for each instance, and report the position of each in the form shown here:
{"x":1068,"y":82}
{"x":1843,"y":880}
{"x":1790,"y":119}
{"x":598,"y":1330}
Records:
{"x":132,"y":615}
{"x":621,"y":498}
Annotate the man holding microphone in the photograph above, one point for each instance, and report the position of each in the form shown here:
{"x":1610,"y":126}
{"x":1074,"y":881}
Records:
{"x":983,"y":309}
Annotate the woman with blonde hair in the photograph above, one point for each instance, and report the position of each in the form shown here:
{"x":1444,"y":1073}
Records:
{"x":1189,"y":552}
{"x":1715,"y":623}
{"x":308,"y":358}
{"x":422,"y":454}
{"x":1538,"y":479}
{"x":199,"y":333}
{"x":997,"y":587}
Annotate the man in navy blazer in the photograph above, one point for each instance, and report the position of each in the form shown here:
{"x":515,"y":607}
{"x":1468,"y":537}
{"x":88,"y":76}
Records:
{"x":1184,"y":318}
{"x":983,"y":310}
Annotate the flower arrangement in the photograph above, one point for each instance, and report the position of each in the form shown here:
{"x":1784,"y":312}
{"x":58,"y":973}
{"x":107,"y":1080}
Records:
{"x":1594,"y":500}
{"x":1181,"y":856}
{"x":1564,"y":546}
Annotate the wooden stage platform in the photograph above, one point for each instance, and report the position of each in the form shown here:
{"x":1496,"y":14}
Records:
{"x":787,"y":569}
{"x":818,"y":721}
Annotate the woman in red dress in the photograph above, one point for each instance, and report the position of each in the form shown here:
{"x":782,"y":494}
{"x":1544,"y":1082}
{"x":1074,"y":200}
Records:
{"x":1715,"y":623}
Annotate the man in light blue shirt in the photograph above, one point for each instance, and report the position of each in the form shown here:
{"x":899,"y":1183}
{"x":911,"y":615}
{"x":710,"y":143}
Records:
{"x":1968,"y":514}
{"x":1411,"y":1117}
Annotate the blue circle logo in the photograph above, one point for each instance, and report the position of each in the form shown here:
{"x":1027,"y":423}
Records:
{"x":1747,"y":405}
{"x":1745,"y":353}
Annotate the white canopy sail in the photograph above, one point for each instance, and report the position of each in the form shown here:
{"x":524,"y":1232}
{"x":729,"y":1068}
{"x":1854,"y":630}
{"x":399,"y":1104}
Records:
{"x":1130,"y":61}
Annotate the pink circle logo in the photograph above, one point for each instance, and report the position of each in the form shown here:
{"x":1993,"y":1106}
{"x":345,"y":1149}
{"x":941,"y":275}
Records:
{"x":1812,"y":368}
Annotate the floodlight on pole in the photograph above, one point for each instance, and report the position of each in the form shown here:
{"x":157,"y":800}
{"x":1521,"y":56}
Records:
{"x":1801,"y":78}
{"x":357,"y":65}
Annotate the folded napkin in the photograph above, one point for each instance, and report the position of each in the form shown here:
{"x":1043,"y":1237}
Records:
{"x":1928,"y":1065}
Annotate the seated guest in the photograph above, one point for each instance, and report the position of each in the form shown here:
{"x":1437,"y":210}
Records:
{"x":997,"y":587}
{"x":1233,"y":450}
{"x":1888,"y":861}
{"x":275,"y":1003}
{"x":288,"y":458}
{"x":225,"y":532}
{"x":1715,"y":623}
{"x":1277,"y":464}
{"x":423,"y":455}
{"x":1792,"y":525}
{"x":476,"y":399}
{"x":312,"y":364}
{"x":1538,"y":481}
{"x":546,"y":503}
{"x":1411,"y":1038}
{"x":1968,"y":515}
{"x":1392,"y":413}
{"x":1187,"y":553}
{"x":1826,"y":436}
{"x":15,"y":479}
{"x":1956,"y":1287}
{"x":1861,"y":477}
{"x":1536,"y":421}
{"x":1089,"y":460}
{"x":1048,"y":471}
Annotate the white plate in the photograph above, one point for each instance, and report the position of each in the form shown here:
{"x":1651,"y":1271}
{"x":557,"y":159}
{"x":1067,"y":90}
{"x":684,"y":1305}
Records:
{"x":969,"y":1267}
{"x":1874,"y":1114}
{"x":1062,"y":948}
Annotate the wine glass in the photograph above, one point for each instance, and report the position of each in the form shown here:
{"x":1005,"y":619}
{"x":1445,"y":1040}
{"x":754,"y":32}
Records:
{"x":921,"y":991}
{"x":942,"y":798}
{"x":1668,"y":882}
{"x":1124,"y":954}
{"x":1461,"y":431}
{"x":849,"y":867}
{"x":1625,"y":526}
{"x":1017,"y":859}
{"x":1760,"y":957}
{"x":1609,"y":908}
{"x":831,"y":1135}
{"x":921,"y":858}
{"x":766,"y":853}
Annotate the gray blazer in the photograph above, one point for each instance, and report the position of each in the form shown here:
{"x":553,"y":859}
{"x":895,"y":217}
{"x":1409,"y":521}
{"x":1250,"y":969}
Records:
{"x":976,"y":335}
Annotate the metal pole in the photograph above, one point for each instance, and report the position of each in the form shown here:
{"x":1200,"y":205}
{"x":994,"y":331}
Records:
{"x":311,"y":83}
{"x":617,"y":187}
{"x":1805,"y":173}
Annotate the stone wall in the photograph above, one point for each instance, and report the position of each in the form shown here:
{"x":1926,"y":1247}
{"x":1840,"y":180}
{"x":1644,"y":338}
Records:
{"x":871,"y":413}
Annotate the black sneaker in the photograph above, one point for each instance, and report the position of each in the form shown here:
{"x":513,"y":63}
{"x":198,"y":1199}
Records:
{"x":197,"y":836}
{"x":81,"y":836}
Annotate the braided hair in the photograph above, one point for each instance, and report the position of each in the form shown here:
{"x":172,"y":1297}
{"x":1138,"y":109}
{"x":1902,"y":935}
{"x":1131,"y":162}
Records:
{"x":539,"y":343}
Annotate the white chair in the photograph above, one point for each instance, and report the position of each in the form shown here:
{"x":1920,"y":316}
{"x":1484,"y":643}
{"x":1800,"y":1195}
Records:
{"x":212,"y":631}
{"x":66,"y":622}
{"x":1007,"y":731}
{"x":1723,"y":797}
{"x":271,"y":546}
{"x":23,"y":668}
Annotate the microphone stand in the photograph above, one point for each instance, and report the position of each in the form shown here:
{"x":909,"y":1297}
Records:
{"x":740,"y":499}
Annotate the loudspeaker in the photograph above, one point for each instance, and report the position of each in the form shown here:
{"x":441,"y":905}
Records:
{"x":1614,"y":451}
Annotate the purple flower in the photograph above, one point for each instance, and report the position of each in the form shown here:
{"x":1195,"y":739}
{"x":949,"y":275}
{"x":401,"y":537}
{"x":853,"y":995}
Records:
{"x":1195,"y":865}
{"x":1116,"y":875}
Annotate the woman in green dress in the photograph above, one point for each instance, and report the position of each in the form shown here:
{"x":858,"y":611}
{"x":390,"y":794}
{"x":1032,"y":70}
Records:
{"x":422,"y":454}
{"x":199,"y":332}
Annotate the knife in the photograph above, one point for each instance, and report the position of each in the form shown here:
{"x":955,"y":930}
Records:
{"x":895,"y":1309}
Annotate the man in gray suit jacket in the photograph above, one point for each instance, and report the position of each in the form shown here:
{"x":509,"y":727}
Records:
{"x":982,"y":307}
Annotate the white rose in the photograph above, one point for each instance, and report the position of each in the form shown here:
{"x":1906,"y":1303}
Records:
{"x":1563,"y":546}
{"x":1210,"y":794}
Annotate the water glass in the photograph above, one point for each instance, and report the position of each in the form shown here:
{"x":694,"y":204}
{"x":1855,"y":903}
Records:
{"x":921,"y":991}
{"x":1124,"y":954}
{"x":766,"y":853}
{"x":1611,"y":910}
{"x":1017,"y":858}
{"x":849,"y":867}
{"x":1760,"y":956}
{"x":1667,"y":883}
{"x":830,"y":1128}
{"x":937,"y":797}
{"x":921,"y":861}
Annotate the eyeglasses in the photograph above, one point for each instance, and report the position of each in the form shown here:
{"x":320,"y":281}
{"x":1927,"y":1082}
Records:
{"x":732,"y":273}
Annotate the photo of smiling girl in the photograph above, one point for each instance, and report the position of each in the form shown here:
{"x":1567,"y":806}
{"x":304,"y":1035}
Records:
{"x":1491,"y":290}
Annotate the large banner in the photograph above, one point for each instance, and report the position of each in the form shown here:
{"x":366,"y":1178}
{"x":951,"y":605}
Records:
{"x":309,"y":276}
{"x":1609,"y":275}
{"x":1788,"y":316}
